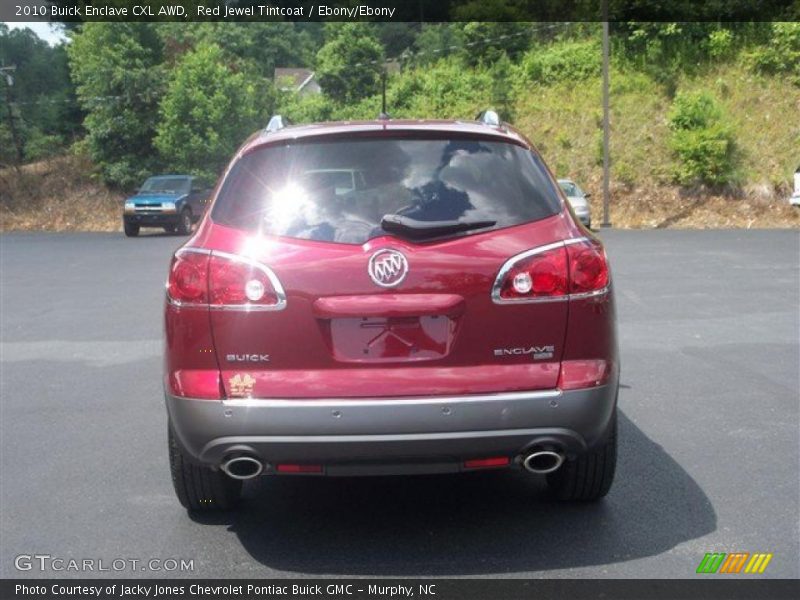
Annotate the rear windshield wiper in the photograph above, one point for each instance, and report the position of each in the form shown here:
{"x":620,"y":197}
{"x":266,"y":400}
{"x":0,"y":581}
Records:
{"x":412,"y":228}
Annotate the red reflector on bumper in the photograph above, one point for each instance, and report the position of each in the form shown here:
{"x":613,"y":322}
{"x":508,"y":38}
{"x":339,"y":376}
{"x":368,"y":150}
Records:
{"x":576,"y":374}
{"x":484,"y":463}
{"x":199,"y":384}
{"x":299,"y":468}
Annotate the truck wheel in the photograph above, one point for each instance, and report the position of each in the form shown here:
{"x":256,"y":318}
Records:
{"x":199,"y":487}
{"x":588,"y":477}
{"x":131,"y":230}
{"x":185,"y":222}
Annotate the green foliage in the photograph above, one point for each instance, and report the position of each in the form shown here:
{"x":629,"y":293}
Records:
{"x":486,"y":42}
{"x":262,"y":45}
{"x":694,"y":111}
{"x":702,"y":140}
{"x":119,"y":77}
{"x":39,"y":145}
{"x":782,"y":54}
{"x":566,"y":61}
{"x":720,"y":43}
{"x":445,"y":90}
{"x":44,"y":105}
{"x":438,"y":41}
{"x":349,"y":65}
{"x":209,"y":108}
{"x":8,"y":153}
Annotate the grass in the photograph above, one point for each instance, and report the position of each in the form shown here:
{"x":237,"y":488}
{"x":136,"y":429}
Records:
{"x":57,"y":195}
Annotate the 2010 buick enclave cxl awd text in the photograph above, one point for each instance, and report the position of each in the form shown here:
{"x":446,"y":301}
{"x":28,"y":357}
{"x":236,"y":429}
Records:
{"x":389,"y":297}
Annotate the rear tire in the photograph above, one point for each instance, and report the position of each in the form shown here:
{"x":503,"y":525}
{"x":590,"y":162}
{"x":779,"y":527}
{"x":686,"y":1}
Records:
{"x":588,"y":477}
{"x":198,"y":487}
{"x":131,"y":230}
{"x":185,"y":222}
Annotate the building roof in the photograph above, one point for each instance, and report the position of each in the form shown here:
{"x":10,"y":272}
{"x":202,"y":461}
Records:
{"x":298,"y":78}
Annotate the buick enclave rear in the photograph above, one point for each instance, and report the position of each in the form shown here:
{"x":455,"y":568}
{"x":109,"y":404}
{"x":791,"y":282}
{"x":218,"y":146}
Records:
{"x":389,"y":297}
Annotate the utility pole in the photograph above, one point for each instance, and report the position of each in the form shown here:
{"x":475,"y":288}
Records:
{"x":606,"y":157}
{"x":6,"y":71}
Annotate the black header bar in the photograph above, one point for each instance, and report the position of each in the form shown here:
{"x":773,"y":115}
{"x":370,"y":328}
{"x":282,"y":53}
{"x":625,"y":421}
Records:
{"x":702,"y":588}
{"x":400,"y":10}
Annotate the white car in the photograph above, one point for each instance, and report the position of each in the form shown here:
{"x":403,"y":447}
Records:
{"x":578,"y":200}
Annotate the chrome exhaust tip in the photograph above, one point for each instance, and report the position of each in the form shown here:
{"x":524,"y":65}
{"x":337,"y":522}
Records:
{"x":242,"y":467}
{"x":543,"y":461}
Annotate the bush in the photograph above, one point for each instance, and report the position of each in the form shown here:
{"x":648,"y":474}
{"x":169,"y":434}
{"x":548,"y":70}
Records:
{"x":702,"y":141}
{"x":720,"y":43}
{"x":782,"y":54}
{"x":563,"y":61}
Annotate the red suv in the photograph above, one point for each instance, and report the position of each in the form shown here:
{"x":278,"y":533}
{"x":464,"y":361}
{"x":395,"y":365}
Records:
{"x":389,"y":297}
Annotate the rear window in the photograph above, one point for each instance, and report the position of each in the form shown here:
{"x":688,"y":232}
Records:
{"x":340,"y":190}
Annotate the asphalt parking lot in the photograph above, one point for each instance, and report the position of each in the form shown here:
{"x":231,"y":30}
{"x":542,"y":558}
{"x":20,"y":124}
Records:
{"x":709,"y":432}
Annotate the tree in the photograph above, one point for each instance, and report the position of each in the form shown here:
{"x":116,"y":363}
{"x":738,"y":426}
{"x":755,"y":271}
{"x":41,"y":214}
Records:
{"x":119,"y":77}
{"x":209,"y":108}
{"x":45,"y":113}
{"x":350,"y":63}
{"x":263,"y":45}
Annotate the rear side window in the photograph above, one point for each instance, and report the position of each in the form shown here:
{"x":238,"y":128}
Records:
{"x":340,"y":190}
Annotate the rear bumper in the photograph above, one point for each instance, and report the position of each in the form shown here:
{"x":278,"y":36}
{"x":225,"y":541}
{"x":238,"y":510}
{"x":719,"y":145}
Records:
{"x":373,"y":436}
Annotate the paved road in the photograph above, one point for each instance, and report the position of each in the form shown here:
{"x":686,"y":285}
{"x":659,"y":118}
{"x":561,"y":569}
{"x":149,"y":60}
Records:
{"x":709,"y":432}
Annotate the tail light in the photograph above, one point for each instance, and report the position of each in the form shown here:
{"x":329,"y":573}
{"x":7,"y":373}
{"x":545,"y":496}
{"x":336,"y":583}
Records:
{"x":188,"y":278}
{"x":572,"y":269}
{"x":222,"y":281}
{"x":588,"y":267}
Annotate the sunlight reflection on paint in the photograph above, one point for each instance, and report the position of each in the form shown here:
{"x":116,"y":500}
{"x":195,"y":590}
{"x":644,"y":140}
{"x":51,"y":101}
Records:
{"x":257,"y":246}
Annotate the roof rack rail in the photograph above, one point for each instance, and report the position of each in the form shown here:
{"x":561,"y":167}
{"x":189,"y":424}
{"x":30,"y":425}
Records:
{"x":276,"y":123}
{"x":489,"y":117}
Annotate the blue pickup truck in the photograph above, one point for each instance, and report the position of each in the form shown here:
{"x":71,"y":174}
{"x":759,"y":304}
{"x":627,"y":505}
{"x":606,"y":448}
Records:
{"x":172,"y":202}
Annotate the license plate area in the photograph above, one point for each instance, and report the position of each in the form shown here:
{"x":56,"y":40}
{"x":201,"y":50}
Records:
{"x":387,"y":339}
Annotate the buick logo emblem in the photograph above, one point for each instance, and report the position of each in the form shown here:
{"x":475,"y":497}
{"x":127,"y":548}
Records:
{"x":387,"y":268}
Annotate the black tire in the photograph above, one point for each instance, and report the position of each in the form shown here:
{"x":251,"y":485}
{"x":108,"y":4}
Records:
{"x":185,"y":222}
{"x":588,"y":225}
{"x":589,"y":476}
{"x":198,"y":487}
{"x":169,"y":228}
{"x":131,"y":230}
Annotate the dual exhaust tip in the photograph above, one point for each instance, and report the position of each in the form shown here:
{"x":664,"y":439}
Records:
{"x":540,"y":461}
{"x":242,"y":467}
{"x":543,"y":461}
